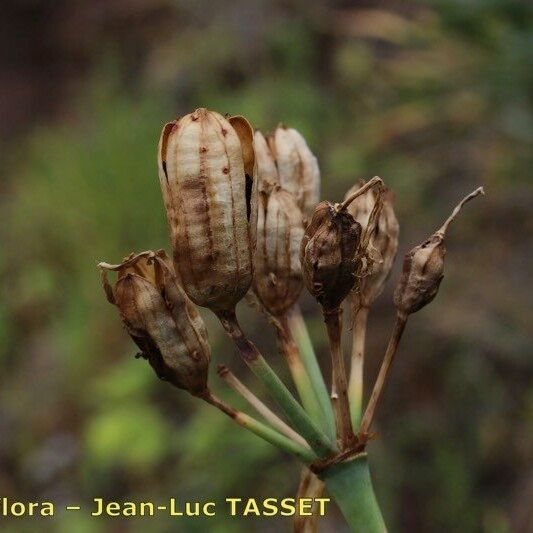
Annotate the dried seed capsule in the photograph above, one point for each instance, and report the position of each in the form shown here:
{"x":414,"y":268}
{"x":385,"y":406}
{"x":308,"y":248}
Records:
{"x":278,"y":274}
{"x":161,"y":319}
{"x":328,"y":254}
{"x":297,"y":167}
{"x":423,"y":268}
{"x":206,"y":166}
{"x":383,"y":242}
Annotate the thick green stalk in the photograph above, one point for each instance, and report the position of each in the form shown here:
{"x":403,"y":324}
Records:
{"x":294,"y":412}
{"x":307,"y":352}
{"x":350,"y":486}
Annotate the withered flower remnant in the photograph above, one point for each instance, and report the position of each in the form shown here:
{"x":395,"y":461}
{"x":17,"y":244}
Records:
{"x":382,"y":243}
{"x":161,"y":319}
{"x":298,"y":169}
{"x":423,"y":267}
{"x":206,"y":171}
{"x":278,"y":275}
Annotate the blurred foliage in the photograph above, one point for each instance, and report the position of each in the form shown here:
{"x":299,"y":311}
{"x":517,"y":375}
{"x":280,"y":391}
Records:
{"x":435,"y":97}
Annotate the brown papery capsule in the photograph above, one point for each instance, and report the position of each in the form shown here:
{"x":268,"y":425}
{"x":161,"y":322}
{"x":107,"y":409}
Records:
{"x":330,"y":250}
{"x":161,"y":319}
{"x":423,"y":268}
{"x":278,"y":274}
{"x":383,"y":241}
{"x":297,"y":167}
{"x":206,"y":167}
{"x":328,"y":254}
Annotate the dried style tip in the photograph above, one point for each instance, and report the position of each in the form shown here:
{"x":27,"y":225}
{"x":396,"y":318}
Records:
{"x":328,"y":255}
{"x":278,"y":274}
{"x":297,"y":167}
{"x":160,"y":319}
{"x":375,"y":212}
{"x":423,"y":268}
{"x":206,"y":166}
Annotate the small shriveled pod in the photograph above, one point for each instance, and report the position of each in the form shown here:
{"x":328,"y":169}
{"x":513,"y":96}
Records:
{"x":298,"y":169}
{"x":206,"y":168}
{"x":423,"y":268}
{"x":383,"y":240}
{"x":161,"y":319}
{"x":278,"y":274}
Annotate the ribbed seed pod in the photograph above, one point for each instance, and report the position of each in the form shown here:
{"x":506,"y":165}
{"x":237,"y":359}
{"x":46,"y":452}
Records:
{"x":328,"y":254}
{"x":383,"y":243}
{"x":278,"y":274}
{"x":206,"y":167}
{"x":297,"y":167}
{"x":161,"y":319}
{"x":423,"y":268}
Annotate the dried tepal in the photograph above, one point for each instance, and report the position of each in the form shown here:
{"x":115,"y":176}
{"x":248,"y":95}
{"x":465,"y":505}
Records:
{"x":234,"y":201}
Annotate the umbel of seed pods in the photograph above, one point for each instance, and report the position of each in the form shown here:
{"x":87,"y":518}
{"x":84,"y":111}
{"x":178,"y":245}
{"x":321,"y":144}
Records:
{"x":242,"y":215}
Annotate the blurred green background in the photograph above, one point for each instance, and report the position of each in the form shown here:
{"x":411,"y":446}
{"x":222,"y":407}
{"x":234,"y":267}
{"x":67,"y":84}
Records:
{"x":435,"y":97}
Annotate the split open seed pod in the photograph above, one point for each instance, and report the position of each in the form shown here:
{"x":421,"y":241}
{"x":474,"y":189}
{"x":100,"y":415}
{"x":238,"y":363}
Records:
{"x":423,"y":268}
{"x":297,"y":167}
{"x":206,"y":171}
{"x":160,"y":319}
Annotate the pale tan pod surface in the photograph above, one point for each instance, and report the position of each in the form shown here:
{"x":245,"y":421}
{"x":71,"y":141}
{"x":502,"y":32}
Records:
{"x":278,"y":277}
{"x":206,"y":191}
{"x":266,"y":165}
{"x":288,"y":161}
{"x":310,"y":174}
{"x":298,"y":169}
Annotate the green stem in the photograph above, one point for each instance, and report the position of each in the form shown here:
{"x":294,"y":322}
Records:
{"x":294,"y":412}
{"x":351,"y":487}
{"x":299,"y":373}
{"x":355,"y":383}
{"x":307,"y":352}
{"x":261,"y":430}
